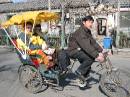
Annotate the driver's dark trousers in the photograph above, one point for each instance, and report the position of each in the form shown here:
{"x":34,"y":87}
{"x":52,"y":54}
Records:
{"x":85,"y":62}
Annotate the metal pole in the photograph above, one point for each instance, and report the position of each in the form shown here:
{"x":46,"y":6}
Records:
{"x":49,"y":9}
{"x":49,"y":5}
{"x":118,"y":25}
{"x":62,"y":27}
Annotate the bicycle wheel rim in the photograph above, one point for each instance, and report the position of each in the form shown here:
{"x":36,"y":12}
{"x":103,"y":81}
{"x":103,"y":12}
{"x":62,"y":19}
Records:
{"x":110,"y":87}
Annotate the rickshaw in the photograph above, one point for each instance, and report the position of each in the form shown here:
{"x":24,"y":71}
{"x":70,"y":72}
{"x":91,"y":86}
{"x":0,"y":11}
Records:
{"x":30,"y":74}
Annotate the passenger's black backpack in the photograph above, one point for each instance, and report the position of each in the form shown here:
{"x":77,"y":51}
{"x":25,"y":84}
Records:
{"x":63,"y":60}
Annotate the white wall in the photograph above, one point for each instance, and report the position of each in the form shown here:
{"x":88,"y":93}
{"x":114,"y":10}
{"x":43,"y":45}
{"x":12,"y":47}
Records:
{"x":3,"y":18}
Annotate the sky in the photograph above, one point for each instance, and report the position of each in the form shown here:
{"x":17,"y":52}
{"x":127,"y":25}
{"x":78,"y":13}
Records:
{"x":16,"y":1}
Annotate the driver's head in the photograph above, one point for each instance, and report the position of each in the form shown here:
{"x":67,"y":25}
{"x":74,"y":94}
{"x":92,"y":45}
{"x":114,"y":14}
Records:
{"x":88,"y":21}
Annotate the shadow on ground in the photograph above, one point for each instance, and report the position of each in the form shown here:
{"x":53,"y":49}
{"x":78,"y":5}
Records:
{"x":70,"y":79}
{"x":8,"y":68}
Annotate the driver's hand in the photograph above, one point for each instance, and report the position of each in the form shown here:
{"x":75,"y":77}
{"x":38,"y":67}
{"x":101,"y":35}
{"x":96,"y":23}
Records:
{"x":100,"y":57}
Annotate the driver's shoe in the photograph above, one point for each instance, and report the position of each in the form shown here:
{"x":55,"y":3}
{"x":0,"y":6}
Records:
{"x":81,"y":83}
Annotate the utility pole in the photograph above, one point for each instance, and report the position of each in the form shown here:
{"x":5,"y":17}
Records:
{"x":118,"y":25}
{"x":49,"y":5}
{"x":63,"y":25}
{"x":49,"y":9}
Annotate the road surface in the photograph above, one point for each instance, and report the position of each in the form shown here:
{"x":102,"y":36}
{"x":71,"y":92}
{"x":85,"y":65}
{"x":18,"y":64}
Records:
{"x":10,"y":86}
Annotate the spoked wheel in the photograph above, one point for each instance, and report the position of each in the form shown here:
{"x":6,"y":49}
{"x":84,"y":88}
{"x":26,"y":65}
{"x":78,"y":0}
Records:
{"x":111,"y":85}
{"x":31,"y":79}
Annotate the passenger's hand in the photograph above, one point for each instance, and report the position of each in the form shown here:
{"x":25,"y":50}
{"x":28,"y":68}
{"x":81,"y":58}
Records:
{"x":44,"y":47}
{"x":100,"y":57}
{"x":49,"y":57}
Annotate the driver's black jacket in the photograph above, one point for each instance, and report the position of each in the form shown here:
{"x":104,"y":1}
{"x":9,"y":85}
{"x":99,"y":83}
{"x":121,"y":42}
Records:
{"x":82,"y":39}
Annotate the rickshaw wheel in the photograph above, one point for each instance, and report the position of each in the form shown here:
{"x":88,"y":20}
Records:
{"x":31,"y":79}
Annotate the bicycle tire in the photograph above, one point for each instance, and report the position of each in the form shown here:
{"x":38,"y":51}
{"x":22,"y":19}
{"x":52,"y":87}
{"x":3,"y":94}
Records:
{"x":31,"y":79}
{"x":111,"y":85}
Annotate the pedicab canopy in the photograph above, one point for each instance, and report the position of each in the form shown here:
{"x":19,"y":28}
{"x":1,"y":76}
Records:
{"x":36,"y":17}
{"x":33,"y":16}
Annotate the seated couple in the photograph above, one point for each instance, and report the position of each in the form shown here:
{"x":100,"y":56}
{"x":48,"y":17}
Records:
{"x":35,"y":44}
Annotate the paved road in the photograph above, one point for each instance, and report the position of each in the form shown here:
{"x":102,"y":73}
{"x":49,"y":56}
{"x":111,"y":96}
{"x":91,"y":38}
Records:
{"x":10,"y":86}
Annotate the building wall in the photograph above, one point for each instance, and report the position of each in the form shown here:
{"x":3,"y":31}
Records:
{"x":5,"y":1}
{"x":3,"y":18}
{"x":125,"y":22}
